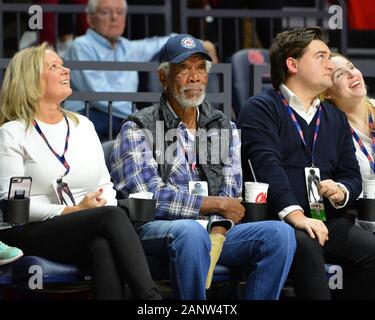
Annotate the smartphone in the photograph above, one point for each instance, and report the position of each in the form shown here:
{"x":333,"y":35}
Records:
{"x":19,"y":187}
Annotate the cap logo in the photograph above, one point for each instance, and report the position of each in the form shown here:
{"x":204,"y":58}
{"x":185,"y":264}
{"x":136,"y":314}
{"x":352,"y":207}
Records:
{"x":188,"y":43}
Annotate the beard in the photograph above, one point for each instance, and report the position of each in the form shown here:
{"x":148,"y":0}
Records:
{"x":189,"y":102}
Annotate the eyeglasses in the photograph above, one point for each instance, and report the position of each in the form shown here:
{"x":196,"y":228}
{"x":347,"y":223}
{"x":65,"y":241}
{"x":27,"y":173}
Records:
{"x":106,"y":13}
{"x":63,"y":189}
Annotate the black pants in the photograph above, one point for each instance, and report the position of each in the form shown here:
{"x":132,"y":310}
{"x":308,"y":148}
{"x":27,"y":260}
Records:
{"x":348,"y":245}
{"x":102,"y":239}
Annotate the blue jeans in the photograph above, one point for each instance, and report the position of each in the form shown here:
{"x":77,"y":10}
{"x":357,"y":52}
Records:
{"x":266,"y":248}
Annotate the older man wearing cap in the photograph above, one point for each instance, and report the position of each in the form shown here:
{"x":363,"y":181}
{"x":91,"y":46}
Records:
{"x":175,"y":143}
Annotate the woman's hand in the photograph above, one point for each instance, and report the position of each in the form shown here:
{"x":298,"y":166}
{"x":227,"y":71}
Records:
{"x":91,"y":200}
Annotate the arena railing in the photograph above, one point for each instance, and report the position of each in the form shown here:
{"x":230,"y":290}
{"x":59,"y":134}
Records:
{"x":198,"y":15}
{"x":223,"y":98}
{"x":21,"y":14}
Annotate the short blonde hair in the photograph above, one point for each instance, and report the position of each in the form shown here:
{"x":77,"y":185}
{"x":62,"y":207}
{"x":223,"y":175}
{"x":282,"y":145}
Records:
{"x":21,"y":89}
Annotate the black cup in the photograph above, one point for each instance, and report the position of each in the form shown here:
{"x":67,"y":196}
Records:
{"x":254,"y":212}
{"x":139,"y":210}
{"x":366,"y":209}
{"x":16,"y":211}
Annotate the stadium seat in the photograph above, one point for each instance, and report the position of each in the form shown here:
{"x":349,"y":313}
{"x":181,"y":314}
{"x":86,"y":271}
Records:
{"x":54,"y":277}
{"x":240,"y":74}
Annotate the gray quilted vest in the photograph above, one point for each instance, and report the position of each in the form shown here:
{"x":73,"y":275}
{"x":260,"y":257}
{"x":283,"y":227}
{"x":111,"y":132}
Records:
{"x":210,"y":119}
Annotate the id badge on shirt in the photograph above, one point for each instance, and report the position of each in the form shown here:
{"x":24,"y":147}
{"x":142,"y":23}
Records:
{"x":63,"y":193}
{"x":312,"y":179}
{"x":199,"y":188}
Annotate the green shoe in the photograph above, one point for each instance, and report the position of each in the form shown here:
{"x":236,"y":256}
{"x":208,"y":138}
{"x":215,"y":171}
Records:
{"x":9,"y":254}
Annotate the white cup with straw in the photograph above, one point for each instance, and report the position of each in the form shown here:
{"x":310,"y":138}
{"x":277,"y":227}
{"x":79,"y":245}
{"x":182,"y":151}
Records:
{"x":255,"y":192}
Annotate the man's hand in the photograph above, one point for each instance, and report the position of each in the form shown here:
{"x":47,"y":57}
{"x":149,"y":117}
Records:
{"x":232,"y":209}
{"x":314,"y":227}
{"x":228,"y":208}
{"x":218,"y":230}
{"x":329,"y":189}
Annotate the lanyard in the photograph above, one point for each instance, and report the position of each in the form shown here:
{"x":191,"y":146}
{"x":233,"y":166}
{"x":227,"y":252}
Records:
{"x":298,"y":127}
{"x":62,"y":157}
{"x":183,"y":141}
{"x":361,"y":145}
{"x":189,"y":151}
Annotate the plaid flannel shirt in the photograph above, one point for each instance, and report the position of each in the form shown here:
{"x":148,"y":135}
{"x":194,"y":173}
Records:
{"x":134,"y":169}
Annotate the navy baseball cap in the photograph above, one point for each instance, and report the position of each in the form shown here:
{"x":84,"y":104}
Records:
{"x":181,"y":47}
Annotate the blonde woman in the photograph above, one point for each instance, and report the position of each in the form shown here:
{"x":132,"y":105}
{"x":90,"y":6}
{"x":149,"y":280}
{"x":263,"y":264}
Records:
{"x":349,"y":94}
{"x":62,"y":154}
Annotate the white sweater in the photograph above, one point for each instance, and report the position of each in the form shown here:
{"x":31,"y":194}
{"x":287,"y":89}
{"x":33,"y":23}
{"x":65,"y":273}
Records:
{"x":24,"y":153}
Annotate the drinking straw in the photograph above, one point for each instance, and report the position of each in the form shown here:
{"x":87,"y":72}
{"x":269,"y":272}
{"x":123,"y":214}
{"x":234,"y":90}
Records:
{"x":252,"y":171}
